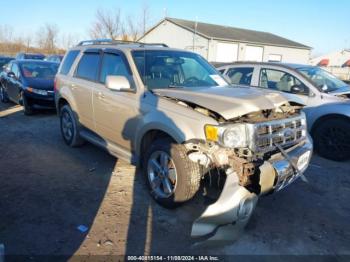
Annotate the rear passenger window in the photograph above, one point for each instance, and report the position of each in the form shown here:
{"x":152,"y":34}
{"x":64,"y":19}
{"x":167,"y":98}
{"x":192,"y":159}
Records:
{"x":68,"y":61}
{"x":241,"y":75}
{"x":112,"y":65}
{"x":88,"y":66}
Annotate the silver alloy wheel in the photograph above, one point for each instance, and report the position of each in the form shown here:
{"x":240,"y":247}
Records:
{"x":162,"y":174}
{"x":67,"y":126}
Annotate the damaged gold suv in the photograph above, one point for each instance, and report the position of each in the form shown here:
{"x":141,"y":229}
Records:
{"x":171,"y":113}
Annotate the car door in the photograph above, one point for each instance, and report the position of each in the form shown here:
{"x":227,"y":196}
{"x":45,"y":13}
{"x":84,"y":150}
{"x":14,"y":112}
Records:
{"x":85,"y":78}
{"x":14,"y":84}
{"x":283,"y":81}
{"x":114,"y":110}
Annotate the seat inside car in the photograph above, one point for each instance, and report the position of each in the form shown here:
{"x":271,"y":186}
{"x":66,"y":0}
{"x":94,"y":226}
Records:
{"x":286,"y":83}
{"x":264,"y":81}
{"x":158,"y":77}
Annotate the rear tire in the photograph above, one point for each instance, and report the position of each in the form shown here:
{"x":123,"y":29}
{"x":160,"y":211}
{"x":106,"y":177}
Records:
{"x":332,"y":139}
{"x":182,"y":174}
{"x":3,"y":95}
{"x":70,"y":127}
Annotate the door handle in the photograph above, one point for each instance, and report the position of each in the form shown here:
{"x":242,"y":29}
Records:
{"x":73,"y":86}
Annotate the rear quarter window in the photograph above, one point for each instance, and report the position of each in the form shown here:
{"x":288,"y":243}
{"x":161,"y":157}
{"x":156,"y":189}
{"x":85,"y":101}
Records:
{"x":68,"y":62}
{"x":241,"y":75}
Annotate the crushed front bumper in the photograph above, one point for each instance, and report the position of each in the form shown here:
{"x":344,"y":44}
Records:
{"x":226,"y":218}
{"x":284,"y":168}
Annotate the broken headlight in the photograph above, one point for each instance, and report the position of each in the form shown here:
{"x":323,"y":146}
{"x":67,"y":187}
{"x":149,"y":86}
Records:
{"x":232,"y":136}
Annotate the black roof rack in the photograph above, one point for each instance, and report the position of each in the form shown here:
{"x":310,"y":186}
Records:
{"x":117,"y":42}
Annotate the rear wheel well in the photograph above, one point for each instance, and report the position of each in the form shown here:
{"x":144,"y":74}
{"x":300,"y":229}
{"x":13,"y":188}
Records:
{"x":324,"y":118}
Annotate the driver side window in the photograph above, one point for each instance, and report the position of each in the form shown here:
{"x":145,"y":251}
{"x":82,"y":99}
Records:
{"x":281,"y":81}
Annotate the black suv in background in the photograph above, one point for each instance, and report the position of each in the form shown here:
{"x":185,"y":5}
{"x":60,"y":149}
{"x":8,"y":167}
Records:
{"x":24,"y":56}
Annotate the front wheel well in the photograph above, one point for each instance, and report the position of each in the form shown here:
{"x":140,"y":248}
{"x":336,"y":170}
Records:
{"x":150,"y":137}
{"x":325,"y":118}
{"x":61,"y":102}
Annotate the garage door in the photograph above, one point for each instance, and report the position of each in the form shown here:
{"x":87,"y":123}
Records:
{"x":254,"y":53}
{"x":226,"y":52}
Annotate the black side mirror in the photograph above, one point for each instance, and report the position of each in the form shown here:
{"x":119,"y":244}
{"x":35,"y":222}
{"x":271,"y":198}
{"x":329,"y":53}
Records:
{"x":297,"y":89}
{"x":11,"y":74}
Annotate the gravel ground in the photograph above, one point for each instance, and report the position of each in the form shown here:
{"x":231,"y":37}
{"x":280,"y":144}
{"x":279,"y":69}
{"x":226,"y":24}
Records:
{"x":48,"y":190}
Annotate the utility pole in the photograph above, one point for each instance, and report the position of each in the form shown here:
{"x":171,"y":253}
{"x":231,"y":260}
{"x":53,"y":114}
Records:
{"x":195,"y":33}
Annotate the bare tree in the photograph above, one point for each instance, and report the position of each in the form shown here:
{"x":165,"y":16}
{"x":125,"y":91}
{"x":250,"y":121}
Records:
{"x":145,"y":18}
{"x":6,"y":33}
{"x":124,"y":35}
{"x":132,"y":29}
{"x":69,"y":40}
{"x":107,"y":24}
{"x":47,"y":37}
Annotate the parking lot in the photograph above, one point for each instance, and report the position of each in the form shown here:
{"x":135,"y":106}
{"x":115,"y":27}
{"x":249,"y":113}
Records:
{"x":48,"y":190}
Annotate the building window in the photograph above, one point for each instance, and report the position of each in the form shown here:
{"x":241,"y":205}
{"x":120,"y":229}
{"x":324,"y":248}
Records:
{"x":275,"y":58}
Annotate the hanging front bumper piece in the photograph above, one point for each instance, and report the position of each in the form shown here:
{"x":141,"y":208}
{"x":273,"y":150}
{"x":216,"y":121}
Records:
{"x":226,"y":218}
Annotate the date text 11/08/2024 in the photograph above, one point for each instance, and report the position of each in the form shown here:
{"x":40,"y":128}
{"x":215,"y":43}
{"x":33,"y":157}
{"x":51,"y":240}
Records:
{"x":172,"y":258}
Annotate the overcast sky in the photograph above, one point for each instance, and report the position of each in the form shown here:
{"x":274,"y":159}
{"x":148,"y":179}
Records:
{"x":321,"y":24}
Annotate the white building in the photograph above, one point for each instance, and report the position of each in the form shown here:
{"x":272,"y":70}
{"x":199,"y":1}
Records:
{"x":226,"y":44}
{"x":335,"y":59}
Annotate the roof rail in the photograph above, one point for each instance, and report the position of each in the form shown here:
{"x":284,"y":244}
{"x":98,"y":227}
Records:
{"x":152,"y":44}
{"x":117,"y":42}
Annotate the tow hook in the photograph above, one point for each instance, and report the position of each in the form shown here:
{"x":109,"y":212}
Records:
{"x":295,"y":168}
{"x":226,"y":218}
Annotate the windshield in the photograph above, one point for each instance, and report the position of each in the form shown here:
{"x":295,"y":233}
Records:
{"x":323,"y":80}
{"x":171,"y":69}
{"x":39,"y":70}
{"x":34,"y":56}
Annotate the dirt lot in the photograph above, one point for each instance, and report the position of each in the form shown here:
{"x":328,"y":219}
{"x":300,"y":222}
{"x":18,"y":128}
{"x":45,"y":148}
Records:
{"x":47,"y":190}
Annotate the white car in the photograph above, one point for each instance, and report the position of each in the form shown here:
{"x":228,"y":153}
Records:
{"x":326,"y":97}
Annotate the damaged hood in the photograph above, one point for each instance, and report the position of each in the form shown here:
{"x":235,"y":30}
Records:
{"x":343,"y":92}
{"x":230,"y":102}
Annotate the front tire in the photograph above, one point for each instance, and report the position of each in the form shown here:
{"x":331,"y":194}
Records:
{"x":28,"y":109}
{"x":172,"y":177}
{"x":332,"y":139}
{"x":70,"y":127}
